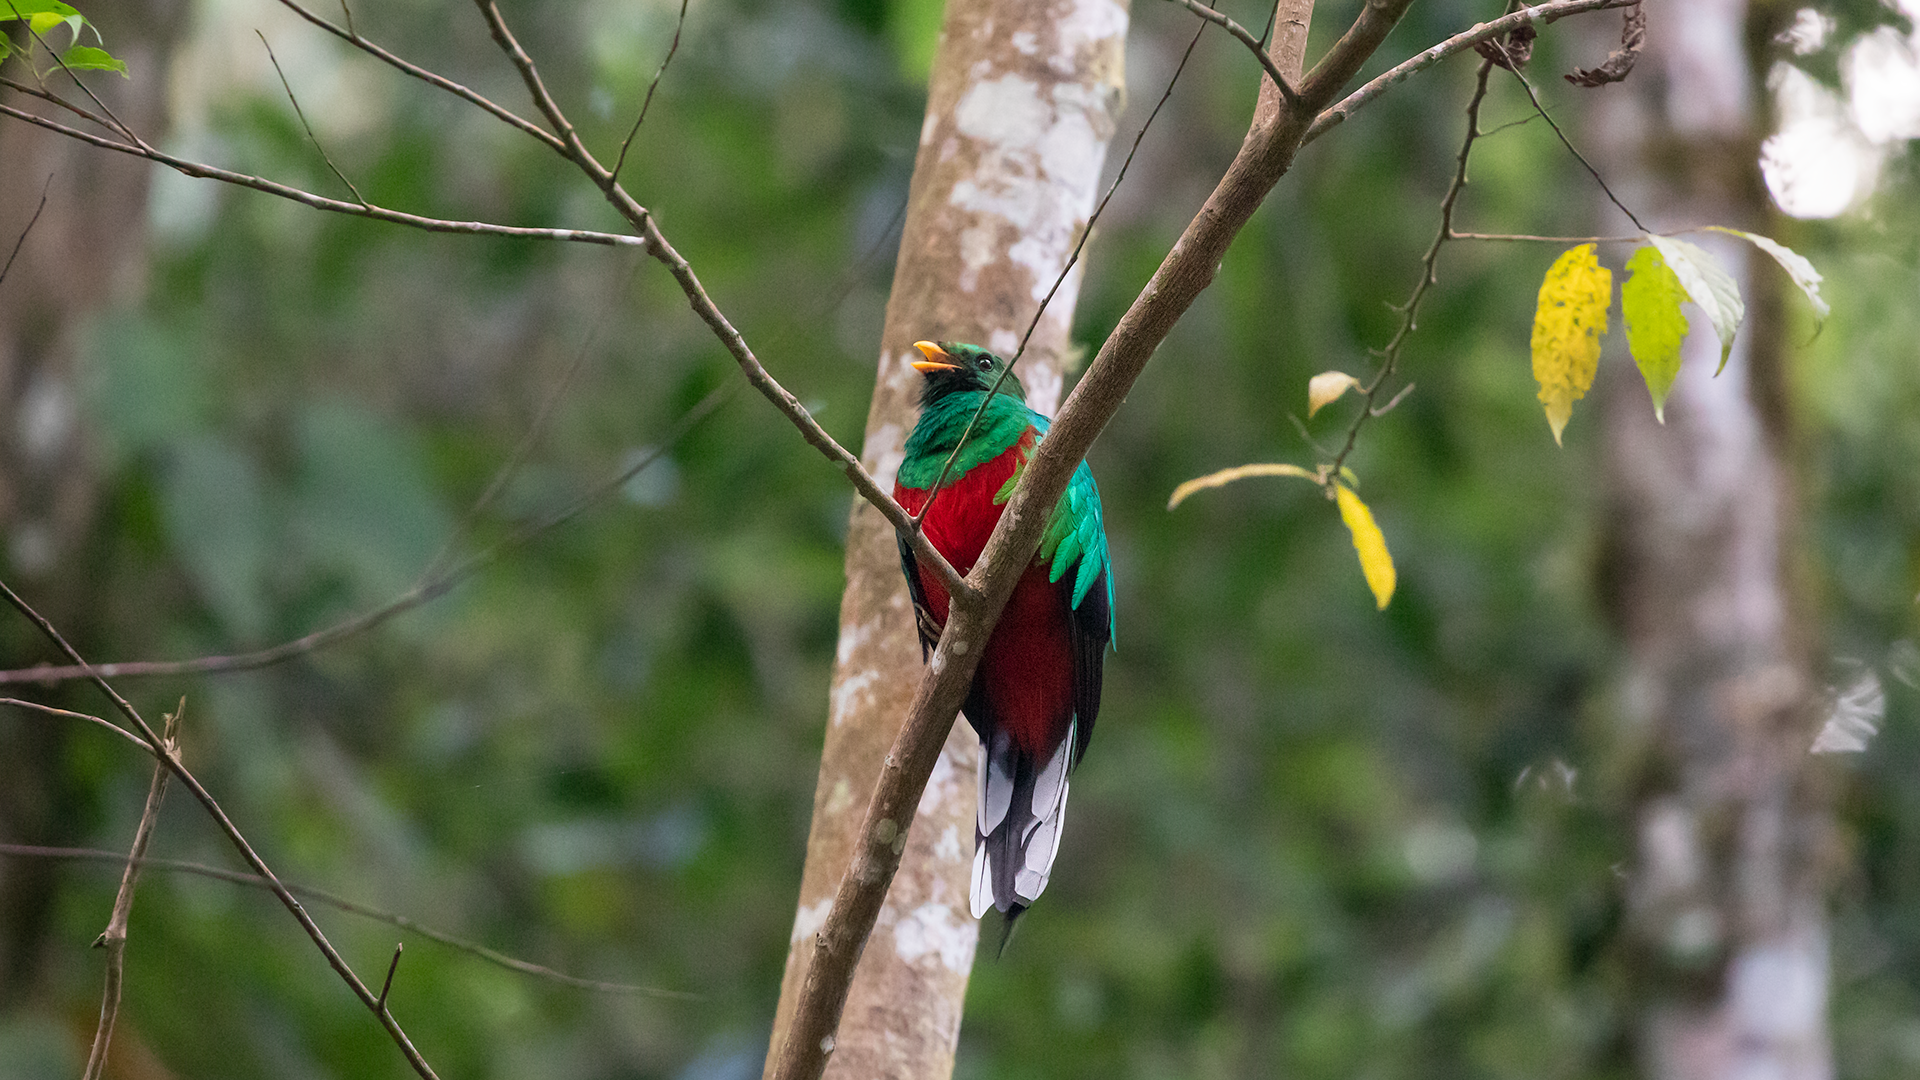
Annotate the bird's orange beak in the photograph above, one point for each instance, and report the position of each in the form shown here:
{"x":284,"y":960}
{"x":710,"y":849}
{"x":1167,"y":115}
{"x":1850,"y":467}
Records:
{"x":936,"y":358}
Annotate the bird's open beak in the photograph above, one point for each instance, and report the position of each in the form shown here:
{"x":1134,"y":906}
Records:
{"x":936,"y":358}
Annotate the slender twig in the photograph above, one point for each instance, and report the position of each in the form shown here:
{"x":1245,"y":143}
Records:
{"x":171,"y":760}
{"x":1410,"y":311}
{"x":24,"y":233}
{"x":352,"y":37}
{"x":570,"y":142}
{"x":299,"y":112}
{"x":1079,"y":246}
{"x":679,"y":24}
{"x":49,"y":96}
{"x":87,"y":717}
{"x":321,"y":896}
{"x":430,"y":588}
{"x":1457,"y":235}
{"x":1257,"y":45}
{"x":321,"y":202}
{"x":114,"y":940}
{"x":392,"y":968}
{"x":1568,"y":143}
{"x":1540,"y":15}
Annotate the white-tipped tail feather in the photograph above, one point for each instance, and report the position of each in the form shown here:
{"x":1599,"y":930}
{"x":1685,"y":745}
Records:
{"x":1022,"y":809}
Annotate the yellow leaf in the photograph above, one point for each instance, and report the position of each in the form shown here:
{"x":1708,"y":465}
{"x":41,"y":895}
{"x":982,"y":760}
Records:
{"x":1650,"y":305}
{"x":1326,"y":388}
{"x":1571,"y":316}
{"x":1228,"y":476}
{"x":1375,"y":562}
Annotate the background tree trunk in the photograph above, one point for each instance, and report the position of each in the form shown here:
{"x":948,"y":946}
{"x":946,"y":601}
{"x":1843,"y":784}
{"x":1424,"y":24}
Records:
{"x":86,"y":252}
{"x":1023,"y":101}
{"x":1725,"y":902}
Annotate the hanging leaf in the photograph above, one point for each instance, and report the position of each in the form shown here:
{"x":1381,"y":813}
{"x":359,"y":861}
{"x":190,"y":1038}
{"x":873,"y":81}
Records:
{"x":1708,"y":285}
{"x":1326,"y":388}
{"x":1228,"y":476}
{"x":1804,"y":276}
{"x":1650,"y":305}
{"x":1375,"y":562}
{"x":88,"y":58}
{"x":1567,"y":324}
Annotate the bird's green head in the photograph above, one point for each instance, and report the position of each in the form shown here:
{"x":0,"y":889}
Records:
{"x":952,"y":367}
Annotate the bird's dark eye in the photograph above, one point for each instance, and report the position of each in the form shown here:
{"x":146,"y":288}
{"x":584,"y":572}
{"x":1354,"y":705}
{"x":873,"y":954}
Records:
{"x":984,"y":364}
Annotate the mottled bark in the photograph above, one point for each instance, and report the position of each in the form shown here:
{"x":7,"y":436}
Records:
{"x":1023,"y":101}
{"x":87,"y":251}
{"x":1726,"y":906}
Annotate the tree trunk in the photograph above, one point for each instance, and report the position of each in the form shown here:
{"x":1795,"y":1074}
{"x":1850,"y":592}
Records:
{"x":86,"y":251}
{"x":1023,"y":101}
{"x":1726,"y":908}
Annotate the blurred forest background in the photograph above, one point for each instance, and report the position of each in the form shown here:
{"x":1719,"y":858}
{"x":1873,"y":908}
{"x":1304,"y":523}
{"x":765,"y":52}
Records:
{"x":1311,"y":840}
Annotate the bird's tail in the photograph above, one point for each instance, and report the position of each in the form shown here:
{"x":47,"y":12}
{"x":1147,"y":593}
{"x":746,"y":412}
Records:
{"x":1022,"y":809}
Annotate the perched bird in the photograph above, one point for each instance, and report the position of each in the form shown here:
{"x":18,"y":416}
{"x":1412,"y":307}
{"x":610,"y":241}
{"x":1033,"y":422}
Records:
{"x":1037,"y":690}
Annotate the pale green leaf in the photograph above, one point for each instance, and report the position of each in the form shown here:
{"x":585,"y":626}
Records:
{"x":1708,"y":285}
{"x":1650,"y":304}
{"x":88,"y":58}
{"x":27,"y":9}
{"x":1798,"y":268}
{"x":1567,"y":325}
{"x":1238,"y":472}
{"x":1375,"y":562}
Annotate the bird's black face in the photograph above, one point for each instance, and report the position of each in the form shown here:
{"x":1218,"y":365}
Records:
{"x":953,"y":367}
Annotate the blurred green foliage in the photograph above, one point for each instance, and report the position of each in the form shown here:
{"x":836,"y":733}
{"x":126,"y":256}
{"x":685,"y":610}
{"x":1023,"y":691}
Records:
{"x":1312,"y":839}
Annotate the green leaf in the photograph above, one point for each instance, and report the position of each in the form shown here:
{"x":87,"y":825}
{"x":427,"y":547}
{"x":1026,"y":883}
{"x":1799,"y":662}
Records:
{"x":1567,"y":325}
{"x":1798,"y":268}
{"x":1650,"y":303}
{"x":27,"y":9}
{"x":1368,"y":542}
{"x":1708,"y":285}
{"x":88,"y":58}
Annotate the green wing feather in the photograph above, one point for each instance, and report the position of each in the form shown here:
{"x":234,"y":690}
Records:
{"x":1075,"y":539}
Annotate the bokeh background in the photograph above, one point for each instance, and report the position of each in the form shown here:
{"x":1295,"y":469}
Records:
{"x":1312,"y":839}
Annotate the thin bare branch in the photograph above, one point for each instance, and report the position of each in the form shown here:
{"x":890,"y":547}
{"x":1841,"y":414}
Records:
{"x":1540,"y":15}
{"x":1533,"y":96}
{"x":1410,"y":311}
{"x":1457,"y":235}
{"x":24,"y":233}
{"x":301,"y":113}
{"x":323,"y":897}
{"x":49,"y":96}
{"x":432,"y":585}
{"x":392,"y":968}
{"x":165,"y":753}
{"x":570,"y":144}
{"x":86,"y":717}
{"x":352,"y":37}
{"x":114,"y":940}
{"x":321,"y":202}
{"x":1254,"y":44}
{"x":647,"y":103}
